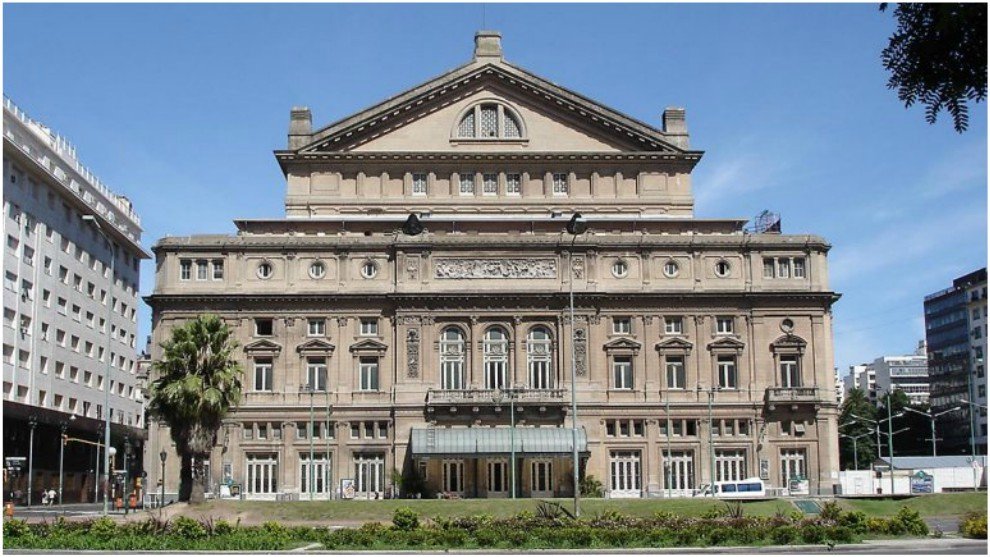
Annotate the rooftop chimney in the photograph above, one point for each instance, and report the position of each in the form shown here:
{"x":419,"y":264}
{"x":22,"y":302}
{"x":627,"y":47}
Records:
{"x":300,"y":126}
{"x":487,"y":46}
{"x":675,"y":125}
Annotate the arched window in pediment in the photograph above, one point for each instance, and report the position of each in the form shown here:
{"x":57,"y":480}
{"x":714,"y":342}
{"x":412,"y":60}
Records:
{"x":489,"y":120}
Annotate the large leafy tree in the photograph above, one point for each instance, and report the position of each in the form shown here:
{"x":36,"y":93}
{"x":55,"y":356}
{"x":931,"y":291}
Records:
{"x":197,"y":383}
{"x":917,"y":439}
{"x":855,"y":407}
{"x":938,"y":57}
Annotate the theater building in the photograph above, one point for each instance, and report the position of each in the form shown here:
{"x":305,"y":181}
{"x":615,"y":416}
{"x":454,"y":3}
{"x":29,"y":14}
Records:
{"x":700,"y":350}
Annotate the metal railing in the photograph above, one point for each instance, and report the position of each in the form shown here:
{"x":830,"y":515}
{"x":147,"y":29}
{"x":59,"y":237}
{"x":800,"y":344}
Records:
{"x":792,"y":394}
{"x":494,"y":396}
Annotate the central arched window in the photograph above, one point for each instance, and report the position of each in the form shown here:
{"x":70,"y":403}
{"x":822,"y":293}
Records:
{"x":452,"y":358}
{"x":539,"y":351}
{"x":489,"y":120}
{"x":496,"y":358}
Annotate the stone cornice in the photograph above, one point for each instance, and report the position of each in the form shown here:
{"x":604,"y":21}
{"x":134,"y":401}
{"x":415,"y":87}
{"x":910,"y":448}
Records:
{"x":364,"y":157}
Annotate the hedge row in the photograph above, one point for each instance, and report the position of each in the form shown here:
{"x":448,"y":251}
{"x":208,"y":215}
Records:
{"x":548,"y":530}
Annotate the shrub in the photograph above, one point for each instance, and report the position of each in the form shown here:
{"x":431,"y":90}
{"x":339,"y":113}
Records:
{"x":223,"y":528}
{"x":830,"y":511}
{"x":591,"y":487}
{"x":733,"y":510}
{"x":16,"y":529}
{"x":912,"y":522}
{"x":855,"y":521}
{"x":487,"y":537}
{"x":875,"y":525}
{"x":712,"y":512}
{"x":841,"y":534}
{"x":103,"y":528}
{"x":813,"y":533}
{"x":405,"y":519}
{"x":185,"y":527}
{"x":784,"y":535}
{"x":974,"y":525}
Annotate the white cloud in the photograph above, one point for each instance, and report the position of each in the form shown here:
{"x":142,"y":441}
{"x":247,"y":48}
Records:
{"x":960,"y":169}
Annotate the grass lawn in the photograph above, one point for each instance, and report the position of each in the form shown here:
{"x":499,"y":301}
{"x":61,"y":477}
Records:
{"x":939,"y":504}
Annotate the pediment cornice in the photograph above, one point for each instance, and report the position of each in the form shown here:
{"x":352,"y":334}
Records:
{"x":263,"y":346}
{"x":726,"y":344}
{"x":675,"y":344}
{"x":622,"y":345}
{"x":315,"y":346}
{"x":369,"y":345}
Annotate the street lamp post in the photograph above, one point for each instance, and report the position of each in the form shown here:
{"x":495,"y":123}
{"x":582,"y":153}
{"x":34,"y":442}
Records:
{"x":91,"y":219}
{"x":890,"y":437}
{"x":327,"y":473}
{"x":512,"y":435}
{"x":162,"y":455}
{"x":33,"y":422}
{"x":125,"y":491}
{"x":855,"y":438}
{"x":932,"y":417}
{"x":311,"y":388}
{"x":63,"y":427}
{"x":972,"y":436}
{"x":711,"y":439}
{"x":575,"y":226}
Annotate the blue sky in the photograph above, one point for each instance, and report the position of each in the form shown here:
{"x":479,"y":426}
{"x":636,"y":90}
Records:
{"x":179,"y":107}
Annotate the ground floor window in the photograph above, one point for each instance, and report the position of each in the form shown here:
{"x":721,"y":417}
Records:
{"x":679,"y":470}
{"x":319,"y":472}
{"x":730,"y":465}
{"x":262,"y":474}
{"x":453,"y":476}
{"x":369,"y":475}
{"x":498,"y":476}
{"x":793,"y":464}
{"x":624,"y":470}
{"x":541,"y":478}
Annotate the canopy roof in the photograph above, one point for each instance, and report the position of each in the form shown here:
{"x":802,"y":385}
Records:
{"x":480,"y":441}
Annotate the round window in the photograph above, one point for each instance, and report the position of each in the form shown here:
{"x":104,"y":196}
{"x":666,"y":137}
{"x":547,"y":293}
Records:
{"x":620,"y":268}
{"x":317,"y":270}
{"x":787,"y":326}
{"x":722,"y":268}
{"x":265,"y":270}
{"x":369,"y":269}
{"x":670,"y":269}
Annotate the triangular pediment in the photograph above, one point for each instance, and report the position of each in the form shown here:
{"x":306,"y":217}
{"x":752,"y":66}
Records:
{"x":368,"y":345}
{"x":726,"y":343}
{"x":674,"y":344}
{"x":263,"y":345}
{"x":315,"y":346}
{"x":556,"y":119}
{"x":622,"y":344}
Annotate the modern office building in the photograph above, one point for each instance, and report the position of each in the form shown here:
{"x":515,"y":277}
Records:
{"x":840,"y":387}
{"x":907,"y":373}
{"x":66,"y":317}
{"x":864,"y":378}
{"x":700,"y":350}
{"x":956,"y":328}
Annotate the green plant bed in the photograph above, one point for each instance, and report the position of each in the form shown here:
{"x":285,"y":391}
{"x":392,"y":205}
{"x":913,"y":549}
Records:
{"x":550,"y":527}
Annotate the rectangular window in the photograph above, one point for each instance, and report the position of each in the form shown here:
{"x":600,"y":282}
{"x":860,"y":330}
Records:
{"x":467,"y":184}
{"x":560,"y":183}
{"x":419,"y":184}
{"x":355,"y":430}
{"x":368,"y":371}
{"x":727,"y":373}
{"x":799,"y":267}
{"x":730,"y":465}
{"x":262,"y":431}
{"x":792,"y":465}
{"x":218,"y":269}
{"x":369,"y":326}
{"x":263,"y":374}
{"x":185,"y":269}
{"x":679,"y":470}
{"x":675,"y":372}
{"x":316,"y":373}
{"x":369,"y":430}
{"x":622,"y":372}
{"x":621,"y":325}
{"x":624,"y":473}
{"x":263,"y":327}
{"x":512,"y":184}
{"x":673,"y":325}
{"x":317,"y":328}
{"x":723,"y":326}
{"x":382,"y":430}
{"x":201,"y":270}
{"x":302,"y":430}
{"x":489,"y":184}
{"x":790,"y":374}
{"x":783,"y":267}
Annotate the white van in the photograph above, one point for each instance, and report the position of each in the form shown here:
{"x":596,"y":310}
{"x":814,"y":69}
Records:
{"x":750,"y":488}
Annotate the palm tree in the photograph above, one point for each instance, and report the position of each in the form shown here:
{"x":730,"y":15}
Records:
{"x":197,"y":383}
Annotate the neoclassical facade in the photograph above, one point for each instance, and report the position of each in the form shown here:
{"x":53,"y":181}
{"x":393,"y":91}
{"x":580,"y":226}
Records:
{"x":700,"y":351}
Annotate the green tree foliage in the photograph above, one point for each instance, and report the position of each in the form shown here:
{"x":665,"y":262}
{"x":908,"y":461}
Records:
{"x":915,"y":441}
{"x":938,"y":57}
{"x":197,"y":383}
{"x":855,"y":407}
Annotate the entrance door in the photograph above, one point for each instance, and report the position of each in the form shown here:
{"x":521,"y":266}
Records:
{"x":320,"y":473}
{"x":541,"y":478}
{"x":453,"y":476}
{"x":625,"y":474}
{"x":369,"y":476}
{"x":498,"y":478}
{"x":262,"y":476}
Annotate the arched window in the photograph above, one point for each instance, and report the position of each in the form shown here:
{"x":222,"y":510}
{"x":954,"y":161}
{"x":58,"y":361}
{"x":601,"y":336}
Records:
{"x":496,"y":358}
{"x":452,"y":358}
{"x":539,"y":351}
{"x":489,"y":120}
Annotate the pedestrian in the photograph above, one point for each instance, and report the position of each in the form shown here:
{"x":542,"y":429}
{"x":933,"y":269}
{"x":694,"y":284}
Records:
{"x":52,"y":494}
{"x":44,"y":497}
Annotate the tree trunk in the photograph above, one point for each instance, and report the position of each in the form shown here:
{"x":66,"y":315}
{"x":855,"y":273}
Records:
{"x":197,"y":495}
{"x":185,"y":477}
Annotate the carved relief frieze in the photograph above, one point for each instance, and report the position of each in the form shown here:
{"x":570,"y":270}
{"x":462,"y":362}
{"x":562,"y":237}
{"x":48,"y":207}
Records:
{"x":408,"y":319}
{"x":412,"y":353}
{"x":412,"y":268}
{"x":503,"y":268}
{"x":577,"y":267}
{"x":581,"y":351}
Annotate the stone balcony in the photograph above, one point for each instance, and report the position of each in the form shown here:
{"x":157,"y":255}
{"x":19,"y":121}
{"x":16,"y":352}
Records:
{"x":793,"y":396}
{"x":496,"y":397}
